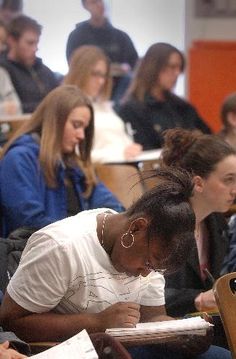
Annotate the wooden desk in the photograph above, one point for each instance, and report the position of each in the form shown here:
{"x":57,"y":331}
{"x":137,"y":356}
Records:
{"x":190,"y":344}
{"x":14,"y":118}
{"x":150,"y":155}
{"x":146,"y":161}
{"x":38,"y":347}
{"x":163,"y":338}
{"x":14,"y":122}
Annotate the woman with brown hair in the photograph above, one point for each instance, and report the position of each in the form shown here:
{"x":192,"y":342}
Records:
{"x":212,"y":164}
{"x":89,"y":69}
{"x":150,"y":107}
{"x":45,"y":171}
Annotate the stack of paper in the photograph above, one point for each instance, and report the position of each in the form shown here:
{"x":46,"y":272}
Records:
{"x":196,"y":325}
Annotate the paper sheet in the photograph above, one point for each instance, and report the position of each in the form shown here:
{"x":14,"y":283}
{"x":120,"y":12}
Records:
{"x":78,"y":346}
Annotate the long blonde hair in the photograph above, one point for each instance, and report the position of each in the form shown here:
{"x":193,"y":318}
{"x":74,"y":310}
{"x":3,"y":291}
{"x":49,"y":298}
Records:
{"x":81,"y":66}
{"x":48,"y":121}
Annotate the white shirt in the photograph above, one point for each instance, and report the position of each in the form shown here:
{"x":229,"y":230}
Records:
{"x":110,"y":137}
{"x":65,"y":267}
{"x":8,"y":95}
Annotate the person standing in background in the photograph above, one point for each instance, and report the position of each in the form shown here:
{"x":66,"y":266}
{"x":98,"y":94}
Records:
{"x":116,"y":44}
{"x":150,"y":106}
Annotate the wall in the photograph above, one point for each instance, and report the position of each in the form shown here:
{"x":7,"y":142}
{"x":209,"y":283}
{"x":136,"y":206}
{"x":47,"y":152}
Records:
{"x":149,"y":21}
{"x":58,"y":19}
{"x":146,"y":21}
{"x":207,"y":28}
{"x":210,"y":76}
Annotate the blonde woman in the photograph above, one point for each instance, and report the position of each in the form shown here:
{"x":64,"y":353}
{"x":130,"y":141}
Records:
{"x":45,"y":171}
{"x":90,"y":70}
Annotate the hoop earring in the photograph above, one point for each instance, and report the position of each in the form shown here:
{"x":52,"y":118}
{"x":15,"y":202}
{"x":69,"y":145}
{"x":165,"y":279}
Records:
{"x":123,"y":237}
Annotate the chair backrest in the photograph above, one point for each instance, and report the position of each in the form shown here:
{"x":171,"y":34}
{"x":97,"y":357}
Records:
{"x":14,"y":122}
{"x":225,"y":294}
{"x":123,"y":180}
{"x":15,"y":125}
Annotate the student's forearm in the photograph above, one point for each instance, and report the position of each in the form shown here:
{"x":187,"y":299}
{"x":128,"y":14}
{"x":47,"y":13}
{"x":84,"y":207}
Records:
{"x":53,"y":327}
{"x":153,"y":314}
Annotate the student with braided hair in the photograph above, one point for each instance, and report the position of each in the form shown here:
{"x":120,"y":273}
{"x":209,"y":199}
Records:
{"x":101,"y":269}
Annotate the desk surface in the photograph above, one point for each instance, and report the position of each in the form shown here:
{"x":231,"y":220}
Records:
{"x":173,"y":338}
{"x":191,"y":344}
{"x":149,"y":155}
{"x":12,"y":118}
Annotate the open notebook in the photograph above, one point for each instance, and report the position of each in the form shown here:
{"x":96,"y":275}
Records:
{"x":196,"y":325}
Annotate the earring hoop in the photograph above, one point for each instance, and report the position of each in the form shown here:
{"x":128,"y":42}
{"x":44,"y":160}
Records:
{"x":124,"y":236}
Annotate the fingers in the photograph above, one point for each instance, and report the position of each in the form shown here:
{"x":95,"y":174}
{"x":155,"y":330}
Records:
{"x":5,"y":345}
{"x":120,"y":315}
{"x":6,"y":353}
{"x":130,"y":314}
{"x":133,"y":150}
{"x":131,"y":305}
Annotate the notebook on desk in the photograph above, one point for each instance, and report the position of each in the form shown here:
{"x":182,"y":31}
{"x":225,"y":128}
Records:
{"x":148,"y":155}
{"x":193,"y":326}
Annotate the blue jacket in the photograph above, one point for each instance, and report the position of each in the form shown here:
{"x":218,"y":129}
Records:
{"x":26,"y":200}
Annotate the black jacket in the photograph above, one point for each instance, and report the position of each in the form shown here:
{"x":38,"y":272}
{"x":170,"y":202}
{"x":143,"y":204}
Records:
{"x":183,"y":286}
{"x":32,"y":84}
{"x":114,"y":42}
{"x":149,"y":119}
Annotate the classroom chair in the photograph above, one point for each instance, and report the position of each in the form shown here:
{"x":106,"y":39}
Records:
{"x":123,"y":180}
{"x":225,"y":294}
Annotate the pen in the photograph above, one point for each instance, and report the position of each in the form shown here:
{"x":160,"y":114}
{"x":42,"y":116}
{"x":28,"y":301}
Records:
{"x":209,"y":275}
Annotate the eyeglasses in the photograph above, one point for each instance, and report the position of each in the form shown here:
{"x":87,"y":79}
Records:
{"x":148,"y":264}
{"x":174,"y":67}
{"x":99,"y":74}
{"x":151,"y":268}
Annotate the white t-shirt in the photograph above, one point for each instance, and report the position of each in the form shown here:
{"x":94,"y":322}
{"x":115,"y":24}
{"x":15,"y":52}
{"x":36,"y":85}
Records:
{"x":65,"y":267}
{"x":9,"y":100}
{"x":110,"y":137}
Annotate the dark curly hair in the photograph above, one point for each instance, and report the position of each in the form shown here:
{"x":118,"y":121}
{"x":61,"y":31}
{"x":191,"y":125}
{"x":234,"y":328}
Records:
{"x":194,"y":152}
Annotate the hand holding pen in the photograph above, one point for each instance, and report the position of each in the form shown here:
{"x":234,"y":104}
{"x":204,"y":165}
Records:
{"x":205,"y":301}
